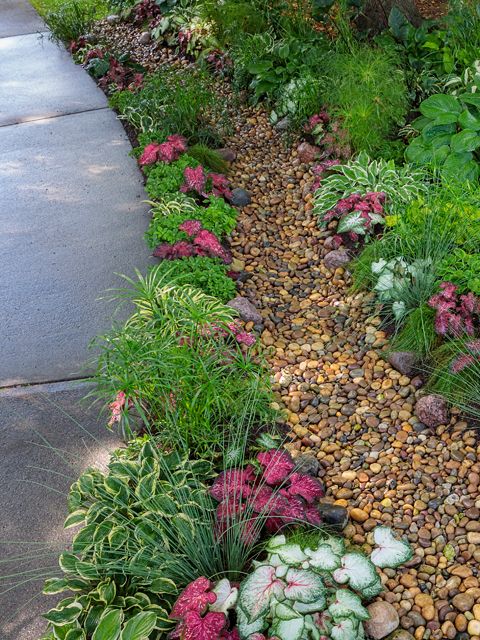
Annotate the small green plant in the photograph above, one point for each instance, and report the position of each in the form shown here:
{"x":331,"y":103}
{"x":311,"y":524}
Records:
{"x":297,"y":592}
{"x":207,"y":274}
{"x":449,"y":137}
{"x":165,"y":179}
{"x":363,"y":175}
{"x":463,"y":269}
{"x":175,"y":103}
{"x":367,"y":92}
{"x":68,"y":20}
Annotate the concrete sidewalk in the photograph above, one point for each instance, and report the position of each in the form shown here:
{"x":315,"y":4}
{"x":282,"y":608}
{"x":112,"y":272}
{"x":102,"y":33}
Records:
{"x":71,"y":217}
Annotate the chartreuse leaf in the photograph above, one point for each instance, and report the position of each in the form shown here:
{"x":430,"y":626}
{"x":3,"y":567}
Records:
{"x":323,"y":558}
{"x":390,"y":552}
{"x":256,"y":591}
{"x":109,"y":626}
{"x":356,"y":570}
{"x":303,"y":586}
{"x":139,"y":627}
{"x":65,"y":615}
{"x":346,"y":604}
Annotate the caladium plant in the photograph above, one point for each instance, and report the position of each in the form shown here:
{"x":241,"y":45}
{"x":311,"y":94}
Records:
{"x":298,"y":593}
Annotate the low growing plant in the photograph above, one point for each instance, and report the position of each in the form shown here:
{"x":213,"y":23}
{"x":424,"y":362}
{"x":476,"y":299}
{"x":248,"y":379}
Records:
{"x":166,"y":179}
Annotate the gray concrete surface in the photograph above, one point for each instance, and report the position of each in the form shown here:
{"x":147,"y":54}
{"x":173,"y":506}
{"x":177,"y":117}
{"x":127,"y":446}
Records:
{"x":71,"y":217}
{"x":34,"y":480}
{"x":38,"y":79}
{"x":19,"y":17}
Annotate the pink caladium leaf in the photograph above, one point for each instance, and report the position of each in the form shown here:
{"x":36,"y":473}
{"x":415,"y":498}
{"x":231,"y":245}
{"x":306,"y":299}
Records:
{"x":243,"y":337}
{"x":234,"y":483}
{"x":231,"y":635}
{"x":208,"y":244}
{"x":277,"y":465}
{"x":220,"y":185}
{"x":150,"y":154}
{"x":191,"y":227}
{"x":264,"y":500}
{"x":310,"y":489}
{"x":194,"y":598}
{"x":208,"y":627}
{"x":195,"y":180}
{"x":167,"y":251}
{"x":179,"y":142}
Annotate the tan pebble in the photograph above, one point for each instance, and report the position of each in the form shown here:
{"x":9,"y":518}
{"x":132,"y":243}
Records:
{"x":375,"y":467}
{"x":419,"y":633}
{"x":358,"y":515}
{"x":423,"y":600}
{"x":461,"y":622}
{"x":474,"y":627}
{"x":476,"y":611}
{"x":428,"y":612}
{"x":448,"y":630}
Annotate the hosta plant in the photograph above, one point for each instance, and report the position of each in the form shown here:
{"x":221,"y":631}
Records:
{"x":449,"y":136}
{"x":302,"y":592}
{"x":363,"y":175}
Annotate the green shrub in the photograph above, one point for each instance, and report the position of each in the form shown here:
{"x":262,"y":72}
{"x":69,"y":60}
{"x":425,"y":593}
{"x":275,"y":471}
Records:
{"x":165,"y":178}
{"x":463,"y":269}
{"x":207,"y":274}
{"x":218,"y":217}
{"x":176,"y":102}
{"x":170,"y":361}
{"x":367,"y":91}
{"x":70,"y":19}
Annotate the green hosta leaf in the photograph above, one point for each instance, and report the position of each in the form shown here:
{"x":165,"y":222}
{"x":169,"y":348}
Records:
{"x":291,"y":554}
{"x":465,"y":141}
{"x":287,"y":625}
{"x":468,"y":121}
{"x":84,"y":538}
{"x":461,"y":167}
{"x":439,"y":104}
{"x":257,"y":590}
{"x":347,"y":604}
{"x":446,"y":118}
{"x":107,"y":592}
{"x":356,"y":570}
{"x":471,"y":98}
{"x":390,"y":552}
{"x":65,"y":615}
{"x":109,"y":626}
{"x":438,"y":135}
{"x":76,"y":517}
{"x":68,"y":562}
{"x":323,"y":558}
{"x":163,"y":586}
{"x":303,"y":586}
{"x":93,"y":618}
{"x":76,"y":634}
{"x":346,"y":629}
{"x":139,"y":627}
{"x":55,"y":585}
{"x":86,"y":570}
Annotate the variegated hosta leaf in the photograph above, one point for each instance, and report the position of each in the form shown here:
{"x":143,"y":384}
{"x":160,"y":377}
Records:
{"x":287,"y":625}
{"x":390,"y":552}
{"x":347,"y":604}
{"x":323,"y":558}
{"x":303,"y":586}
{"x":346,"y":629}
{"x":256,"y":591}
{"x":356,"y":570}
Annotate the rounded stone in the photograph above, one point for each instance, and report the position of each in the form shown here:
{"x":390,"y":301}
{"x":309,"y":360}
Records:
{"x":383,"y":620}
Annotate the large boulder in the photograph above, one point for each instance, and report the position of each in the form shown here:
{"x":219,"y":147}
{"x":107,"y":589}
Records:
{"x":432,"y":410}
{"x":335,"y":259}
{"x":240,"y":197}
{"x":403,"y":361}
{"x":383,"y":620}
{"x":246,"y":310}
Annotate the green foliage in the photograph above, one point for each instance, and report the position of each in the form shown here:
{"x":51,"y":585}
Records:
{"x":367,"y":91}
{"x":418,"y":333}
{"x":208,"y":158}
{"x":207,"y":274}
{"x":449,"y":136}
{"x":218,"y":217}
{"x":166,"y":178}
{"x":176,"y":103}
{"x":70,"y":19}
{"x":170,"y":361}
{"x":463,"y":269}
{"x":363,"y":175}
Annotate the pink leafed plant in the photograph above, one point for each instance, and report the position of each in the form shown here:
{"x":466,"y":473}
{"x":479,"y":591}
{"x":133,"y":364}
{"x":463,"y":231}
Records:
{"x":191,"y":227}
{"x":195,"y":181}
{"x":208,"y":244}
{"x":150,"y":155}
{"x":167,"y":151}
{"x":220,"y":185}
{"x":456,"y":314}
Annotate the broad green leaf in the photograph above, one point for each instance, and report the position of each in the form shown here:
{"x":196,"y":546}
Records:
{"x":68,"y":562}
{"x":346,"y":604}
{"x":109,"y":626}
{"x":323,"y":558}
{"x":471,"y":98}
{"x":106,"y":592}
{"x":461,"y":167}
{"x":76,"y":517}
{"x":303,"y":586}
{"x":163,"y":585}
{"x":55,"y":585}
{"x":468,"y":121}
{"x":76,"y":634}
{"x":257,"y":590}
{"x":93,"y":618}
{"x":65,"y":615}
{"x":356,"y":570}
{"x":390,"y":552}
{"x":139,"y":627}
{"x":465,"y":141}
{"x":439,"y":104}
{"x":445,"y":119}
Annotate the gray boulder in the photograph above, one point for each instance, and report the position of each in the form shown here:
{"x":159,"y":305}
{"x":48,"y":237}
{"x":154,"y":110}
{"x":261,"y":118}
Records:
{"x":403,"y":361}
{"x":432,"y":410}
{"x":335,"y":259}
{"x":240,"y":197}
{"x":246,"y":310}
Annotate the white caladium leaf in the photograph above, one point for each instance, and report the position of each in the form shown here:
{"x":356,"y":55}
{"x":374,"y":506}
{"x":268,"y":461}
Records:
{"x":303,"y":586}
{"x":357,"y":570}
{"x":288,"y":629}
{"x":352,"y":222}
{"x":346,"y":629}
{"x":390,"y":552}
{"x":379,"y":266}
{"x":285,"y":612}
{"x":276,"y":541}
{"x":245,"y":628}
{"x":337,"y":545}
{"x":291,"y":554}
{"x":281,"y":570}
{"x":310,"y":607}
{"x":226,"y":596}
{"x":372,"y":589}
{"x":323,"y":558}
{"x":347,"y":604}
{"x":256,"y":591}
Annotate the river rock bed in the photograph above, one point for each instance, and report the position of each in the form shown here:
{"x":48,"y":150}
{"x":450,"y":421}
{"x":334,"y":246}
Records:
{"x":345,"y":404}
